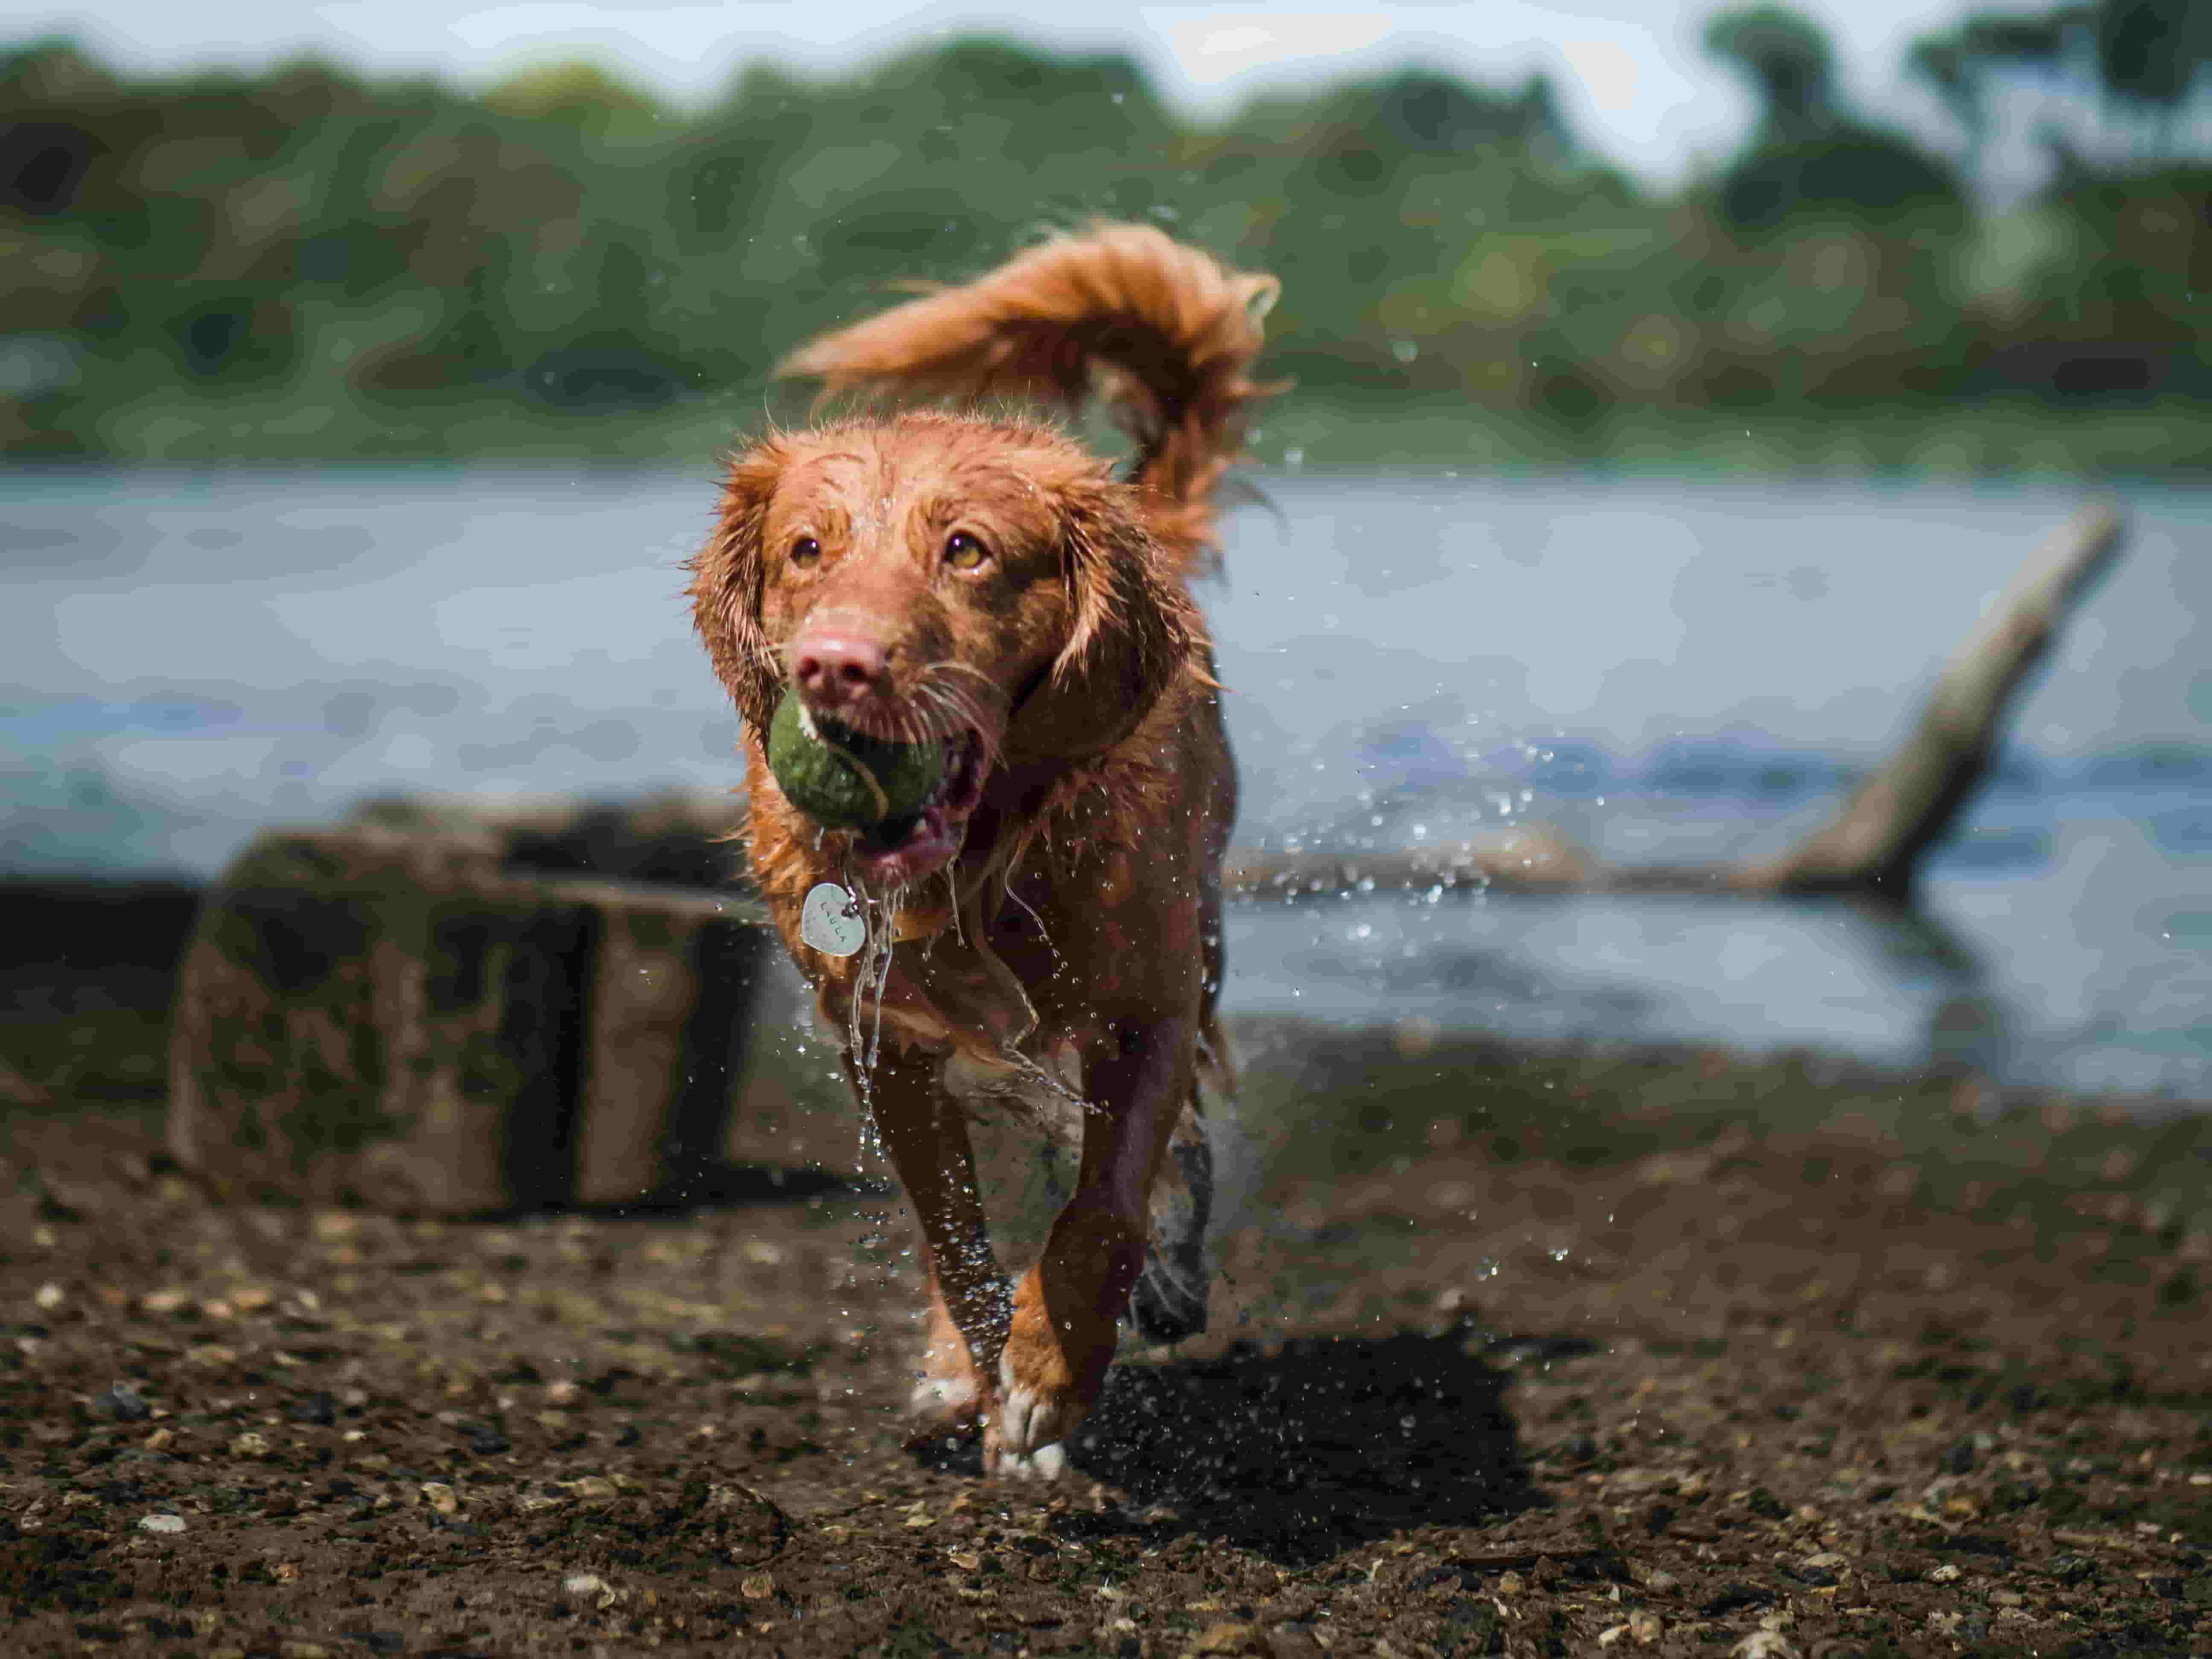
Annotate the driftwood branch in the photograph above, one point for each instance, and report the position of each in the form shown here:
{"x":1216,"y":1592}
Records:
{"x":1871,"y":848}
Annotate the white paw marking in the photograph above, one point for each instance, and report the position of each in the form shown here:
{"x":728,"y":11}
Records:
{"x":1031,"y":1423}
{"x":941,"y":1396}
{"x":1045,"y":1463}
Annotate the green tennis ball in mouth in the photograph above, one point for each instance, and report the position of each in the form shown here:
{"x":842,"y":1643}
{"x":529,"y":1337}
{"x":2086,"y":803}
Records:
{"x":846,"y":780}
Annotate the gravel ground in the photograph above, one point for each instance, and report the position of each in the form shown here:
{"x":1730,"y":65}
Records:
{"x":1513,"y":1353}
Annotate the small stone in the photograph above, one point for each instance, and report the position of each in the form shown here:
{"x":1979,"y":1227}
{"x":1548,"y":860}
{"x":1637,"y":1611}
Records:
{"x":589,"y":1588}
{"x":1817,"y":1572}
{"x":1765,"y":1645}
{"x":1511,"y":1583}
{"x":122,"y":1403}
{"x":318,"y":1409}
{"x":2071,"y":1568}
{"x":1947,"y":1573}
{"x":440,"y":1497}
{"x":161,"y":1524}
{"x":249,"y":1445}
{"x":1227,"y":1638}
{"x":50,"y":1296}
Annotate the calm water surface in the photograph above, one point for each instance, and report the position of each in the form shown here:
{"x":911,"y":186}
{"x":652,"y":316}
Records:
{"x":1672,"y":670}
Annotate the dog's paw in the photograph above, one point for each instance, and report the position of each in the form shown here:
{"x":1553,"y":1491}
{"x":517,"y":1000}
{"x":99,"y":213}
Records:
{"x":949,"y":1396}
{"x":1049,"y":1375}
{"x":1169,"y":1301}
{"x":1045,"y":1463}
{"x":1032,"y":1416}
{"x":943,"y":1406}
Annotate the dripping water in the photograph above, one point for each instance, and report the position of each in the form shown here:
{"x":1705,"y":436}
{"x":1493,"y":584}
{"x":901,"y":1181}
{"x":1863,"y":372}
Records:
{"x":864,"y":1036}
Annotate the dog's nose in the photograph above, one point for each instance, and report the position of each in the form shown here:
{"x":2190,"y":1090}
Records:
{"x":839,"y":665}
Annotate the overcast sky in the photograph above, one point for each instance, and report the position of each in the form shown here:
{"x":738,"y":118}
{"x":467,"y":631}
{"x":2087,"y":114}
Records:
{"x":1630,"y":73}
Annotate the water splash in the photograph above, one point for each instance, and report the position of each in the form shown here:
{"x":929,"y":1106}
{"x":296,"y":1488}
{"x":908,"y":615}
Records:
{"x":870,"y":981}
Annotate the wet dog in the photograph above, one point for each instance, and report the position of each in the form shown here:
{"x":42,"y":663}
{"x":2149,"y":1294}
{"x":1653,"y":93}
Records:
{"x":1046,"y":928}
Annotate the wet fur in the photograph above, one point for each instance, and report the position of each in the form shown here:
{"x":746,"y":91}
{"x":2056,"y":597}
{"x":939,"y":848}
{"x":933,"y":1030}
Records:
{"x":1078,"y":952}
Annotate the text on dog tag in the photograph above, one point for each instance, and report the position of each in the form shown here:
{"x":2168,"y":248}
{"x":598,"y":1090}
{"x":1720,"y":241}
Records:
{"x":830,"y":920}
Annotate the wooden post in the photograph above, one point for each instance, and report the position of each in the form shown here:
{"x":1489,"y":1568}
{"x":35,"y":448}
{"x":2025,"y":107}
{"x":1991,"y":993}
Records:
{"x":392,"y":1016}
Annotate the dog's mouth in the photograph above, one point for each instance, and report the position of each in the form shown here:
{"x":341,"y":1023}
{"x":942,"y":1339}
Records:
{"x":903,"y":851}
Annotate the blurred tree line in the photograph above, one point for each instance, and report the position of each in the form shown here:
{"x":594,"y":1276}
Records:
{"x":365,"y":264}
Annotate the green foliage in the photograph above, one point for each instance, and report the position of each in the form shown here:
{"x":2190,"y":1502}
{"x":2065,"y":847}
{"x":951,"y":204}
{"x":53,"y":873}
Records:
{"x":306,"y":262}
{"x":582,"y":94}
{"x":1788,"y":61}
{"x":2148,"y":55}
{"x":2150,"y":51}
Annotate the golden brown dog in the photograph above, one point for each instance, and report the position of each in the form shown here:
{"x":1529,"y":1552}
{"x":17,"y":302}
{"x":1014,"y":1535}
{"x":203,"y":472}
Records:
{"x":1049,"y":928}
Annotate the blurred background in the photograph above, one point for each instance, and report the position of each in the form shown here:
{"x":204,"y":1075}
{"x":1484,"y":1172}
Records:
{"x":1670,"y":388}
{"x":1617,"y":235}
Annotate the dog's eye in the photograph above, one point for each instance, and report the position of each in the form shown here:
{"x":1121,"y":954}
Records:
{"x":965,"y":552}
{"x":805,"y":551}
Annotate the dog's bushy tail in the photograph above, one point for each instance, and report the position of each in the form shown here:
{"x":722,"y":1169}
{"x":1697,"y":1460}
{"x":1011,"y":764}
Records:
{"x":1163,"y":334}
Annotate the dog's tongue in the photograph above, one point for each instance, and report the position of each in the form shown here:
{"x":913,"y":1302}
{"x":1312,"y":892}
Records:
{"x":927,"y":846}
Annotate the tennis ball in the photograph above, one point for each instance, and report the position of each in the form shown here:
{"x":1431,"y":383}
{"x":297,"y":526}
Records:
{"x":846,"y":780}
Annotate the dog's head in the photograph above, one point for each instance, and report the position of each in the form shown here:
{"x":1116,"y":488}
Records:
{"x":937,"y":578}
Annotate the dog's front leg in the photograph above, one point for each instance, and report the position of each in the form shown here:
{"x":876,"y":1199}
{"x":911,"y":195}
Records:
{"x":927,"y":1136}
{"x":1067,"y":1306}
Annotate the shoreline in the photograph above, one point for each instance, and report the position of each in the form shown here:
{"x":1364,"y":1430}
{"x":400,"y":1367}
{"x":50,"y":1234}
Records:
{"x":2017,"y":438}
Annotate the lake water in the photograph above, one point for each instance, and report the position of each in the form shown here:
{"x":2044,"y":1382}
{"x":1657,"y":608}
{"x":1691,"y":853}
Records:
{"x":1672,"y":670}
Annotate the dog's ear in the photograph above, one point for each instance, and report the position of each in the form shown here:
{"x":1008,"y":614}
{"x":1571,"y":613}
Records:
{"x":729,"y":577}
{"x":1132,"y":627}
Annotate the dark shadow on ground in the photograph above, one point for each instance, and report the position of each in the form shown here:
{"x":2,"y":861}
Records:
{"x":1302,"y":1451}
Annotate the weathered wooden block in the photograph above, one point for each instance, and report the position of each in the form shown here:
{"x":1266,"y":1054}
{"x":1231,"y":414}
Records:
{"x":397,"y":1017}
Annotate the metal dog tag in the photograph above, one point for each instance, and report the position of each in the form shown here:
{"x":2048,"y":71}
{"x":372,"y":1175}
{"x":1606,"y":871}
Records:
{"x":830,"y":920}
